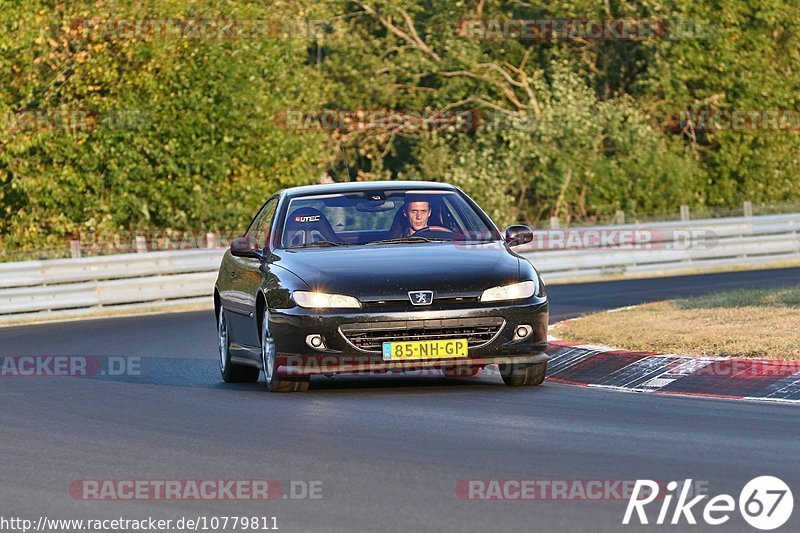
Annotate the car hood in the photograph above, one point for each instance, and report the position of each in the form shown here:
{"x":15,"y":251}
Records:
{"x":388,"y":272}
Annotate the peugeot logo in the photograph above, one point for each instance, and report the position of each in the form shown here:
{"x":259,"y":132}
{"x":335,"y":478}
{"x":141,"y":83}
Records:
{"x":421,"y":297}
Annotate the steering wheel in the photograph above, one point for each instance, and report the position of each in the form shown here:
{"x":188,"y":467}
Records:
{"x":420,"y":230}
{"x":434,"y":232}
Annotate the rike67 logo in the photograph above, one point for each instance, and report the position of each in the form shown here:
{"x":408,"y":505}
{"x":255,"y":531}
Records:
{"x":765,"y":503}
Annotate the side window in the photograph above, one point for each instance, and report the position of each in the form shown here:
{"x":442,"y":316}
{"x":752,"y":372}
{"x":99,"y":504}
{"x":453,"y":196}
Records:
{"x":263,"y":222}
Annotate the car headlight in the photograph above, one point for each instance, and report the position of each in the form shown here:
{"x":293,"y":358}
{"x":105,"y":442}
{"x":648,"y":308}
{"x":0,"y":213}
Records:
{"x":515,"y":291}
{"x":320,"y":300}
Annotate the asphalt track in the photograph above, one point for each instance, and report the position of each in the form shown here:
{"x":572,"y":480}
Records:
{"x":389,"y":451}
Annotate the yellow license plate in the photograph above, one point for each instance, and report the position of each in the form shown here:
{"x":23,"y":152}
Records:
{"x":402,"y":351}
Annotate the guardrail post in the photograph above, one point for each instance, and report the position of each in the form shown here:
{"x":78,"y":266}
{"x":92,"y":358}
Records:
{"x":211,"y":240}
{"x":748,"y":209}
{"x":75,"y":248}
{"x":554,"y":223}
{"x":684,"y":213}
{"x":141,"y":244}
{"x":619,"y":217}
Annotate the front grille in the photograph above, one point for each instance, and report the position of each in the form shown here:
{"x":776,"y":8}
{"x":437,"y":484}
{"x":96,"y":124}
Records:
{"x":437,"y":302}
{"x":369,"y":337}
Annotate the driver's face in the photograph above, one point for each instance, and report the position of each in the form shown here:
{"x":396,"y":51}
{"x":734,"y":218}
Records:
{"x":418,"y":214}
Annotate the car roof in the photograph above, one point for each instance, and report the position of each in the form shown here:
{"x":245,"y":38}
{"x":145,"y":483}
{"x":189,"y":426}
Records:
{"x":331,"y":188}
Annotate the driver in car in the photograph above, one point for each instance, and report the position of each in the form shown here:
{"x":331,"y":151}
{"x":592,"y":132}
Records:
{"x":417,"y":211}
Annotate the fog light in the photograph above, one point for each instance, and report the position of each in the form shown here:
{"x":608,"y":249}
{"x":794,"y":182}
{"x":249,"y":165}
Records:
{"x":316,"y":341}
{"x":522,"y":331}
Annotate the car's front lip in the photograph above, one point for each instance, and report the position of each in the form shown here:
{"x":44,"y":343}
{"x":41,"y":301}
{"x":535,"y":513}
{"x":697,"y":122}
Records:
{"x":290,"y":328}
{"x":304,"y":365}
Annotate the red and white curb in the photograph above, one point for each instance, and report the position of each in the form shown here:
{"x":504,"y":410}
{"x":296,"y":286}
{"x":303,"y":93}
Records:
{"x":650,"y":372}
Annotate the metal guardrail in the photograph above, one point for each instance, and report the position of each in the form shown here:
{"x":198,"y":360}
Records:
{"x":142,"y":280}
{"x":35,"y":289}
{"x":57,"y":271}
{"x":666,"y":246}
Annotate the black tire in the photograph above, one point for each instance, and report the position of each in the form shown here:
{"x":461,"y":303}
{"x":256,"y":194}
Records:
{"x":460,"y":371}
{"x":231,"y":372}
{"x":523,"y":375}
{"x":268,"y":353}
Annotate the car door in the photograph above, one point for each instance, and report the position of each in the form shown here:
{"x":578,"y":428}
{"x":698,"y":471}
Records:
{"x":246,"y":276}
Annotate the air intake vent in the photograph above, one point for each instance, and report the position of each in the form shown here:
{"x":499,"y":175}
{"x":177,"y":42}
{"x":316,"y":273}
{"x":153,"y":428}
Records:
{"x":370,"y":336}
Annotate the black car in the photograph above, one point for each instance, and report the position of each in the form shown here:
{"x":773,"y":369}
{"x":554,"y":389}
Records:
{"x":376,"y":277}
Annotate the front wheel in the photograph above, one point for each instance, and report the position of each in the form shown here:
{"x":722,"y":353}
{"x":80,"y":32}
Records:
{"x":268,"y":364}
{"x":231,"y":372}
{"x":523,"y":375}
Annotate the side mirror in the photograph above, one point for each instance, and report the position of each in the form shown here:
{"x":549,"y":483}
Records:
{"x":518,"y":234}
{"x":246,"y":247}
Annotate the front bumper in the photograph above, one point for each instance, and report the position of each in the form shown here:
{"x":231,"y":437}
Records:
{"x":290,"y":327}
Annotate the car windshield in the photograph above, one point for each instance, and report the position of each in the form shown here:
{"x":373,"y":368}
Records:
{"x":382,"y":217}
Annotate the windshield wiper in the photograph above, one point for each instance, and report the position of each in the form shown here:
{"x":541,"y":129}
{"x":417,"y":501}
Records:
{"x":320,"y":243}
{"x":404,"y":240}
